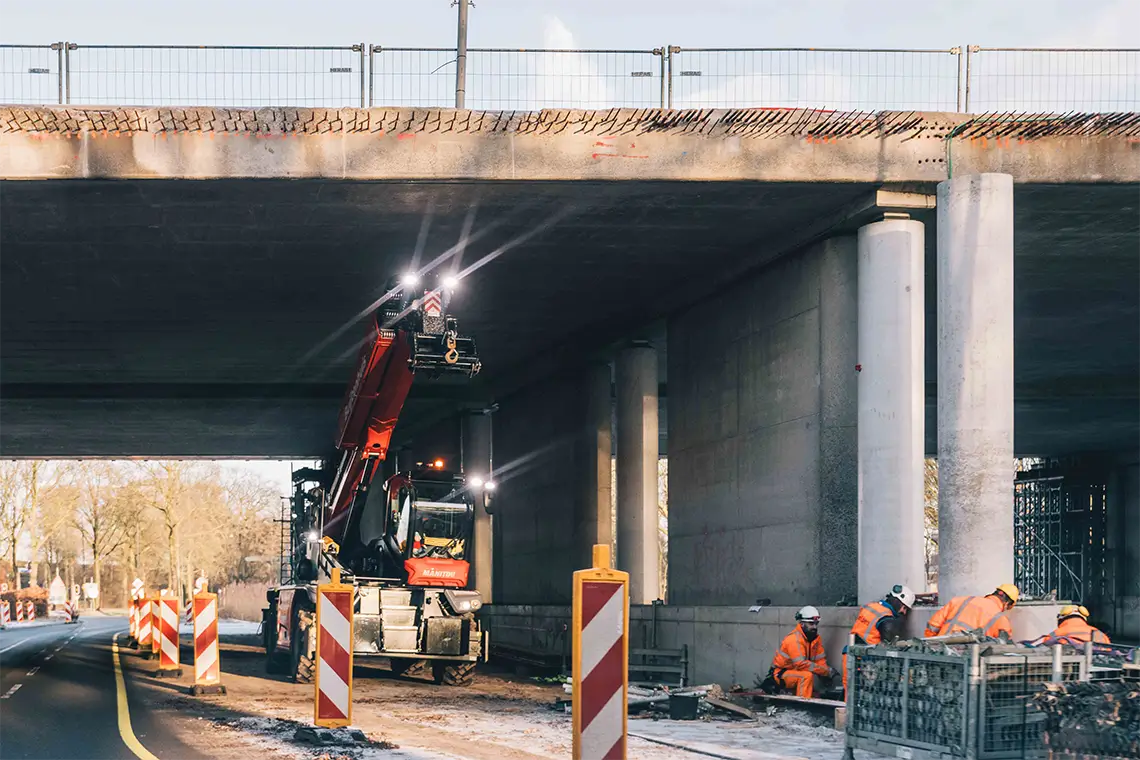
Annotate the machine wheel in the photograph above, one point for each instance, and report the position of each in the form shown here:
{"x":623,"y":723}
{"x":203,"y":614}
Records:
{"x":409,"y":668}
{"x":303,"y":645}
{"x":275,"y":661}
{"x":453,"y":673}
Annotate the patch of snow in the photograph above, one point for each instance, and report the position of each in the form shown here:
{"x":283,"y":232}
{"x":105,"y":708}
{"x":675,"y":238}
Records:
{"x":226,"y":627}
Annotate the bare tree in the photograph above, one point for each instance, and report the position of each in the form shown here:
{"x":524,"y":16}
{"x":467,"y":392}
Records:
{"x":52,"y":501}
{"x":103,"y":516}
{"x":13,"y":510}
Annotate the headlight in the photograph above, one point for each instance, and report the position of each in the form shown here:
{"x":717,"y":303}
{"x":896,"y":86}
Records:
{"x":463,"y":601}
{"x":477,"y":482}
{"x":489,"y":485}
{"x":410,"y":280}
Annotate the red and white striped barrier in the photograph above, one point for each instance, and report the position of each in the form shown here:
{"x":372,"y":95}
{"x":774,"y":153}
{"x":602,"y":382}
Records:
{"x":155,"y":625}
{"x":5,"y":613}
{"x":207,"y":661}
{"x":19,"y":612}
{"x":333,"y":692}
{"x":168,"y":664}
{"x":31,"y":611}
{"x":601,"y":655}
{"x":133,"y":618}
{"x":143,"y":623}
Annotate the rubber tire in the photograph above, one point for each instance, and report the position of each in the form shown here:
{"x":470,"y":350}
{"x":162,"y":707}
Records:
{"x":276,"y":662}
{"x":409,"y":668}
{"x":454,"y":673}
{"x":303,"y":646}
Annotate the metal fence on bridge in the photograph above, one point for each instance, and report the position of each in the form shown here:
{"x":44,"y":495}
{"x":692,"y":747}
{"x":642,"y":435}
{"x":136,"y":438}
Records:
{"x":971,"y":79}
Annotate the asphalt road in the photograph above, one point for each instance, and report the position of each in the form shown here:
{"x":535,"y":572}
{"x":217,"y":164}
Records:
{"x":59,"y":697}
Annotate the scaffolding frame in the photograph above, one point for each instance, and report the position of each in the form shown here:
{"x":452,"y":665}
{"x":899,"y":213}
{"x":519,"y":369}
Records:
{"x":1059,"y":527}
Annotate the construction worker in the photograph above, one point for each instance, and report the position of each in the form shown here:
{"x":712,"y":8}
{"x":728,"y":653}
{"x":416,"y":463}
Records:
{"x":967,"y":613}
{"x":801,"y":657}
{"x":1073,"y":625}
{"x":880,"y":620}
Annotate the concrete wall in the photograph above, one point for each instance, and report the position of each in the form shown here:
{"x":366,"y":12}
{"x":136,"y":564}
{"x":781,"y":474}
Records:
{"x":1125,"y":524}
{"x":763,"y":444}
{"x":544,"y":454}
{"x":727,"y":645}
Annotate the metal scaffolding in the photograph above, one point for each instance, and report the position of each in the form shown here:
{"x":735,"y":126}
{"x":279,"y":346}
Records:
{"x":1060,"y":511}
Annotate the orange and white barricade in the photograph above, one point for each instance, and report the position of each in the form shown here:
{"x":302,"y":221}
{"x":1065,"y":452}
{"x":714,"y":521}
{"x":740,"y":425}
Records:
{"x":168,"y":663}
{"x":5,"y":613}
{"x":601,"y":657}
{"x":31,"y":610}
{"x":333,"y":684}
{"x":143,"y":623}
{"x":155,"y":625}
{"x":19,"y":611}
{"x":133,"y":619}
{"x":207,"y":655}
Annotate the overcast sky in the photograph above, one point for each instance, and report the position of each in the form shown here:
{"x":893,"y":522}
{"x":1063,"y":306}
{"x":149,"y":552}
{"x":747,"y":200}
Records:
{"x":590,"y":23}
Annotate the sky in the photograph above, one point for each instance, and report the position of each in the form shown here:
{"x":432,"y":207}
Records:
{"x":636,"y":24}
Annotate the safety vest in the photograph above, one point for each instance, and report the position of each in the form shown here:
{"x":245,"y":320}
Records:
{"x":867,"y":623}
{"x":966,"y":613}
{"x":797,"y":653}
{"x":1078,"y":630}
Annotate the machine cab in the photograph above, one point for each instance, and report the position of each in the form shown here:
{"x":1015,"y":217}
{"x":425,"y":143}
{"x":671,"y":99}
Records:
{"x":429,"y":525}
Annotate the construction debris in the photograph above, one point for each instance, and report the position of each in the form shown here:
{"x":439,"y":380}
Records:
{"x":1100,"y":718}
{"x":710,"y":698}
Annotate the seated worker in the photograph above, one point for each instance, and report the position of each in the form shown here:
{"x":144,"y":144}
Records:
{"x":801,"y":657}
{"x":1073,"y":627}
{"x":967,"y":613}
{"x":880,"y":621}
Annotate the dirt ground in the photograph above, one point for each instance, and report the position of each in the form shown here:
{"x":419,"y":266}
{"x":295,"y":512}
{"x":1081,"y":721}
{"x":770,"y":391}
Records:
{"x":499,"y":717}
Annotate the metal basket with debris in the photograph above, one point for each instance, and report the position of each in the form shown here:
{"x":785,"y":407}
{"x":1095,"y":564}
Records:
{"x":954,"y":697}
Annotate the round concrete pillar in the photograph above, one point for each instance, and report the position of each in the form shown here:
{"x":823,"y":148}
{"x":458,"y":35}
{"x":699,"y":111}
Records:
{"x":975,"y":383}
{"x":637,"y":444}
{"x":891,"y":406}
{"x":476,"y":452}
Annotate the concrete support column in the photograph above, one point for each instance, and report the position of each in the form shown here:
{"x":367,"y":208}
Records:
{"x":595,"y":447}
{"x":891,"y":406}
{"x":476,"y":451}
{"x":975,"y":383}
{"x":637,"y":433}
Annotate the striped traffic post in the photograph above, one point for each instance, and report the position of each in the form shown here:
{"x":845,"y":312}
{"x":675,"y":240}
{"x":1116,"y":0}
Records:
{"x":132,"y":619}
{"x":19,"y":612}
{"x":333,"y":692}
{"x":601,"y":657}
{"x":144,"y":623}
{"x":5,"y":613}
{"x":168,"y":663}
{"x":207,"y":661}
{"x":31,"y":611}
{"x":155,"y":625}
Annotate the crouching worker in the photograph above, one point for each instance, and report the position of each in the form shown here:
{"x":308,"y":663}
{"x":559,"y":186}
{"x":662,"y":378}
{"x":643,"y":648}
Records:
{"x":1073,"y":628}
{"x":880,"y":621}
{"x":800,"y":657}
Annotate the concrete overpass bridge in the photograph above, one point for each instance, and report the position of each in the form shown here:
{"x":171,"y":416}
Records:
{"x":186,"y":281}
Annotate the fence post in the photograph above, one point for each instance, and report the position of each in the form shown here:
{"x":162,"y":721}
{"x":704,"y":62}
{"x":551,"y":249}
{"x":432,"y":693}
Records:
{"x":461,"y":57}
{"x":601,"y":659}
{"x":67,"y":48}
{"x":670,"y":51}
{"x":363,"y":49}
{"x":58,"y":48}
{"x":970,"y":50}
{"x":661,"y":52}
{"x":957,"y":51}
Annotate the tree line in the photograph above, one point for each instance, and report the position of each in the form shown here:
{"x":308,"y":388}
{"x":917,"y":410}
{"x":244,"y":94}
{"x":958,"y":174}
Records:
{"x":164,"y":521}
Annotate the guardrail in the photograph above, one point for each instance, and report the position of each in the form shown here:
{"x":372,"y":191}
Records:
{"x":980,"y":80}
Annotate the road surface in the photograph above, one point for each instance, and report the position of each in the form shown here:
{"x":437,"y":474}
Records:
{"x":60,"y":697}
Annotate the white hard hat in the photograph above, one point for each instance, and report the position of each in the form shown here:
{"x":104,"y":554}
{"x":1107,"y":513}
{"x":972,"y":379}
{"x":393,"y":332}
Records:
{"x":808,"y":613}
{"x":903,"y":594}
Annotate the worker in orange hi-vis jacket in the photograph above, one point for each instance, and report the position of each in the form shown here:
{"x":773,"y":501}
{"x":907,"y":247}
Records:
{"x":1073,"y":628}
{"x":879,"y":620}
{"x":968,"y":613}
{"x":800,"y":657}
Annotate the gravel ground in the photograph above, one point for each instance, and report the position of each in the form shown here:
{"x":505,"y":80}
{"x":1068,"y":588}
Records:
{"x":500,"y":717}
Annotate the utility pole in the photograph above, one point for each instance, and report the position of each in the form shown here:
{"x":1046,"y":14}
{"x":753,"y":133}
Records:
{"x":461,"y":57}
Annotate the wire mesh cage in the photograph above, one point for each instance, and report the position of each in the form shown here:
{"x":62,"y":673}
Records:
{"x":31,"y":74}
{"x":841,"y":79}
{"x":1048,"y":80}
{"x":215,"y":75}
{"x":957,"y":704}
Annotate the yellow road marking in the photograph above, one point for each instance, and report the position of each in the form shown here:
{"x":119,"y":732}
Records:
{"x":125,"y":730}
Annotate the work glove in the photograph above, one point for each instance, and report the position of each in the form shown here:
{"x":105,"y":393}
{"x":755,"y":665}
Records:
{"x":832,"y":673}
